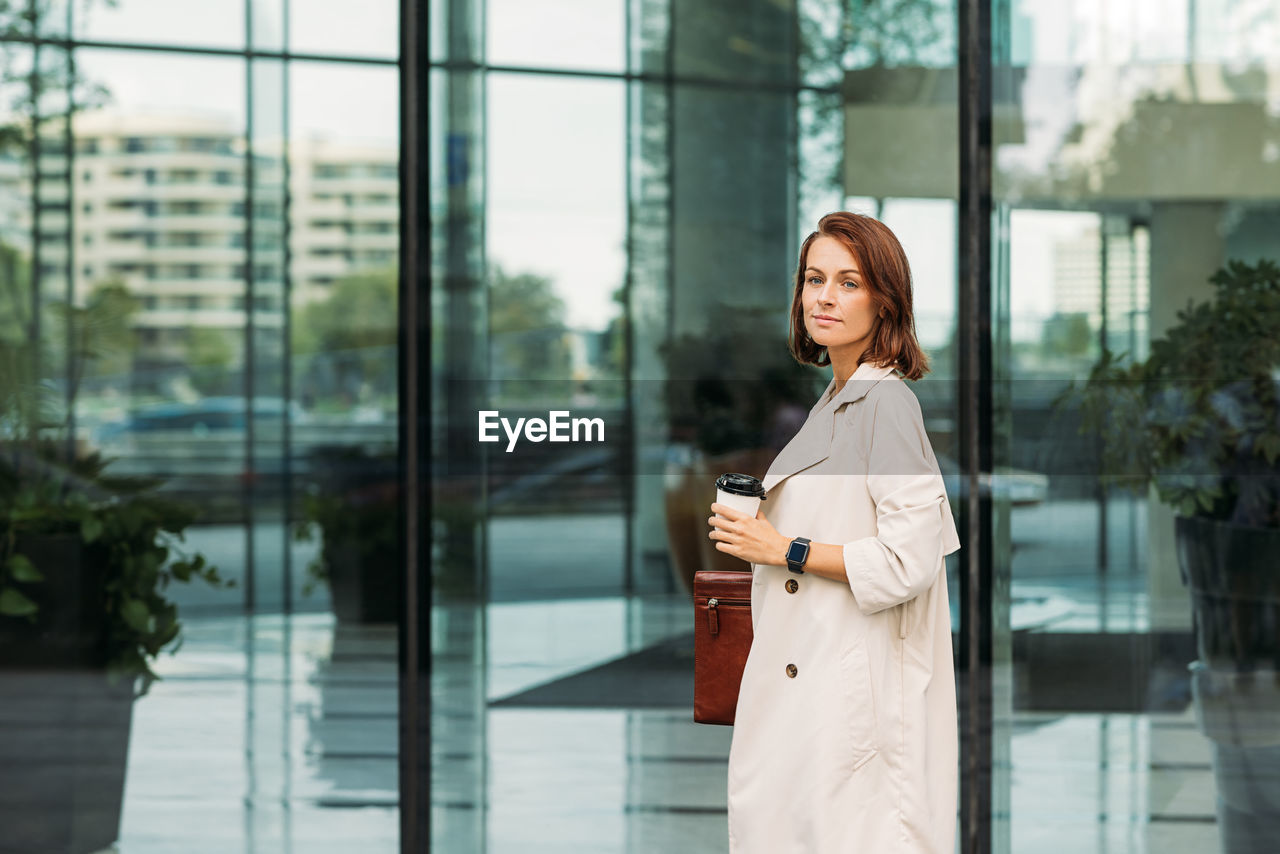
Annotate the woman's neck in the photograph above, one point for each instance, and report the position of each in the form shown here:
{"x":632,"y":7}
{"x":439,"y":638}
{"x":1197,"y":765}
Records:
{"x":843,"y":365}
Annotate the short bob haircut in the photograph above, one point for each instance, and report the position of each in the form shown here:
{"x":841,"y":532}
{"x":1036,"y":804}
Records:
{"x":886,"y":273}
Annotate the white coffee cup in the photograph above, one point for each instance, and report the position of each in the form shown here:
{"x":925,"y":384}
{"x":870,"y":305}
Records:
{"x":742,"y":492}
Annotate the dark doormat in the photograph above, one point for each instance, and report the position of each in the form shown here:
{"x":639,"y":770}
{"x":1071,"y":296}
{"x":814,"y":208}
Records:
{"x":656,"y":677}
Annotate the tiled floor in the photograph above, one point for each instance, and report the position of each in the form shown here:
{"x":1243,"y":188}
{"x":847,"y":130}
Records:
{"x":267,"y":735}
{"x":279,"y":735}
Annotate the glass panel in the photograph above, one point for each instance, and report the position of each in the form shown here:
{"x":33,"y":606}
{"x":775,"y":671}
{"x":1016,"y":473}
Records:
{"x":50,"y":18}
{"x":213,"y":23}
{"x":649,"y":35}
{"x":562,"y":573}
{"x":150,"y":431}
{"x":556,"y":266}
{"x":1136,"y":157}
{"x":586,"y":34}
{"x":747,"y":41}
{"x":113,"y":450}
{"x":898,"y":133}
{"x":160,"y":214}
{"x":459,"y":326}
{"x":342,"y":417}
{"x":267,"y":24}
{"x":345,"y":27}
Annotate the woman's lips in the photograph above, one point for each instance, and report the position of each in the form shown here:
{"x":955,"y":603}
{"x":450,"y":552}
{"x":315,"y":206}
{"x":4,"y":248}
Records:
{"x":823,"y":320}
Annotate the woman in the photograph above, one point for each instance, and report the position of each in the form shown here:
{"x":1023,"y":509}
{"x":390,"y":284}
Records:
{"x":845,"y":737}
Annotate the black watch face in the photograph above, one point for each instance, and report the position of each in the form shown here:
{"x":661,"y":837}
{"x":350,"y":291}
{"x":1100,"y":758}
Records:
{"x":797,"y":552}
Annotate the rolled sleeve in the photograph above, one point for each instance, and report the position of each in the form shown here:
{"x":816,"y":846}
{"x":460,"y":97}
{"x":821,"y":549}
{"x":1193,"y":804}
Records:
{"x":902,"y":560}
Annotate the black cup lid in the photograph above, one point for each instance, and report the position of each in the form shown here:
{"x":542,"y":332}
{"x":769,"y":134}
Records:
{"x":741,"y":484}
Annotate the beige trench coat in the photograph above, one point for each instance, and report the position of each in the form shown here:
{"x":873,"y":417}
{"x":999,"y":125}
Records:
{"x":857,"y":751}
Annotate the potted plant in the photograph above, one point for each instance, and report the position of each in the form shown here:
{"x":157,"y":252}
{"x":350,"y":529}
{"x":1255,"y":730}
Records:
{"x":725,"y":414}
{"x":1199,"y":420}
{"x":85,"y":562}
{"x":352,"y":504}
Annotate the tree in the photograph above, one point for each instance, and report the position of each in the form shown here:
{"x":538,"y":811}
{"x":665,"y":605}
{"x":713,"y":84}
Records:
{"x":526,"y":328}
{"x":1067,"y":334}
{"x":347,"y":341}
{"x":210,"y":355}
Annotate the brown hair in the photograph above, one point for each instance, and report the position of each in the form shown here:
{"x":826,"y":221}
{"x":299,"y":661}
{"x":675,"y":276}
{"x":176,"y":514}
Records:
{"x":886,"y":273}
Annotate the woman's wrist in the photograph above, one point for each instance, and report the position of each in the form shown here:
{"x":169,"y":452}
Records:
{"x":782,"y":549}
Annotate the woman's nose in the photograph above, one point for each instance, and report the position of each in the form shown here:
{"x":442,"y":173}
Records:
{"x":827,"y":296}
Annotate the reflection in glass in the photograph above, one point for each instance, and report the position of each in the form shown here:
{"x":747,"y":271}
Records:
{"x":344,"y":194}
{"x":586,"y":34}
{"x":150,"y":432}
{"x":91,"y":559}
{"x":213,"y":23}
{"x":337,"y":28}
{"x":556,"y":189}
{"x":1138,"y":163}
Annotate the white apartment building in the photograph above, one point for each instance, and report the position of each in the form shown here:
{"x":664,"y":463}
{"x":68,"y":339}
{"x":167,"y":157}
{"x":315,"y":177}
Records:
{"x":158,"y":202}
{"x":1079,"y":280}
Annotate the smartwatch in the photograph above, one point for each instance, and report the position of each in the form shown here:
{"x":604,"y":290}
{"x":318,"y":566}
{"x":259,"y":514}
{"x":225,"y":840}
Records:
{"x":797,"y":554}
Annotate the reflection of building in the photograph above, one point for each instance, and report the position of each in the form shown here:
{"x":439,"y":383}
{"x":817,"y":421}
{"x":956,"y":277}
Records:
{"x":15,"y":207}
{"x":159,"y":204}
{"x":345,"y":212}
{"x":1091,"y":276}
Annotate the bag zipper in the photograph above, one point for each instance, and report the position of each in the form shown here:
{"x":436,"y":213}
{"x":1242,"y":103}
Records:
{"x":713,"y":612}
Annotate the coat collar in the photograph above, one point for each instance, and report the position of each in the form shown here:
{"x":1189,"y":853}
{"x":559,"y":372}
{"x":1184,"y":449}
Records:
{"x":812,"y":444}
{"x":856,"y":387}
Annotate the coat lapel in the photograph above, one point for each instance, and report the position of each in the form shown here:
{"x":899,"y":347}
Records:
{"x":812,"y":444}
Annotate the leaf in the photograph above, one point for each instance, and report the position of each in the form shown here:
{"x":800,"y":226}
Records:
{"x":23,"y":569}
{"x":14,"y":604}
{"x":90,"y":528}
{"x":135,"y":614}
{"x":167,"y":634}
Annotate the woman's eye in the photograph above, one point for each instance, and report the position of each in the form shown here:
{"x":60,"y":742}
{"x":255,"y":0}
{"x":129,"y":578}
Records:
{"x":850,"y":284}
{"x":815,"y":280}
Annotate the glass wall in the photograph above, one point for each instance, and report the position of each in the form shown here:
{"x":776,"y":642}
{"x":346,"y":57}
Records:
{"x":200,"y":510}
{"x":1137,"y":159}
{"x":617,"y":198}
{"x":198,"y":585}
{"x":616,"y":208}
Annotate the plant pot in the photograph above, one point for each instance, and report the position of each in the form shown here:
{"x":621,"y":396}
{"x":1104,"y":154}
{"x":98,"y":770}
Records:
{"x":356,"y":513}
{"x":1240,"y":714}
{"x":364,"y":588}
{"x":62,"y":760}
{"x":1233,"y":573}
{"x":66,"y":727}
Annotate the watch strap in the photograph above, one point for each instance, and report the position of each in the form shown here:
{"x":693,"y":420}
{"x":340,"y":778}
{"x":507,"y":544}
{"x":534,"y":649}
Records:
{"x":798,"y":554}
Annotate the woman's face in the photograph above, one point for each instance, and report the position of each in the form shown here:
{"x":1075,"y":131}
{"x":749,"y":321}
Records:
{"x":839,"y":313}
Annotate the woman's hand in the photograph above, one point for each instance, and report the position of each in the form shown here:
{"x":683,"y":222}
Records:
{"x":753,"y":540}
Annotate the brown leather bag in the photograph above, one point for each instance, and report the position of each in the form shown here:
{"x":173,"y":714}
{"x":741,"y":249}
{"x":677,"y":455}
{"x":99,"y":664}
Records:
{"x":721,"y":640}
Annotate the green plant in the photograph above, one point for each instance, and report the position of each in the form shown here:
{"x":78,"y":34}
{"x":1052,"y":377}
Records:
{"x":131,"y":542}
{"x":351,"y":504}
{"x":725,"y":386}
{"x":50,"y":487}
{"x":1200,"y":417}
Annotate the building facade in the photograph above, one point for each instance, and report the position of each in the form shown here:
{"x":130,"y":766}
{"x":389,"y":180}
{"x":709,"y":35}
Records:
{"x":280,"y":257}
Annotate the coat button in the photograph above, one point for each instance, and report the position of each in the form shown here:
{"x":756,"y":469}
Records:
{"x":792,"y":585}
{"x":791,"y":671}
